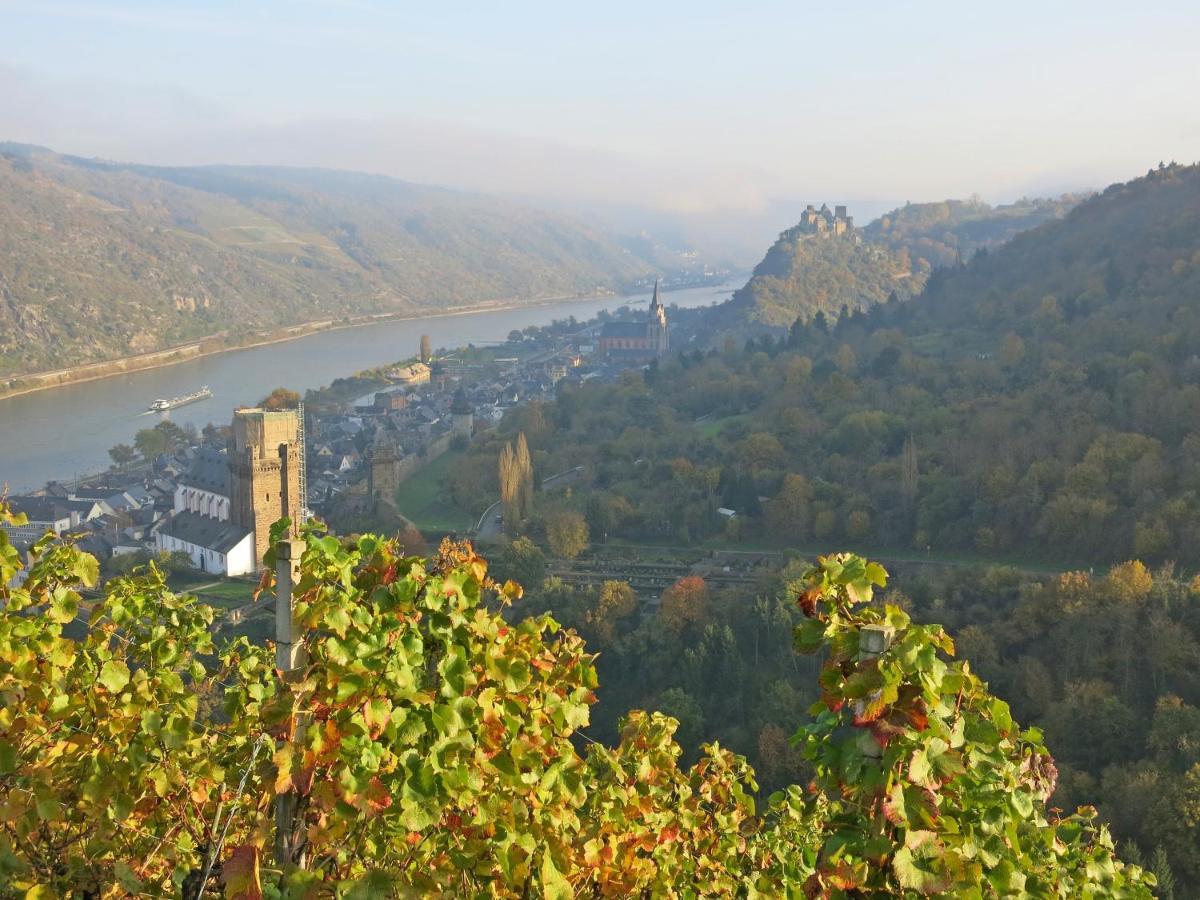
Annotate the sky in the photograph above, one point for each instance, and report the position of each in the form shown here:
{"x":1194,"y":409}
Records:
{"x":715,"y":120}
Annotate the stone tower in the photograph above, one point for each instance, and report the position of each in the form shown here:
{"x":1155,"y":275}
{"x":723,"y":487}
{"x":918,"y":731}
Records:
{"x":462,"y":416}
{"x":657,"y":333}
{"x":383,"y":469}
{"x":264,"y":463}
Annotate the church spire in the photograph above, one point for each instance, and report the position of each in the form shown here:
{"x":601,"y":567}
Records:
{"x":656,"y":303}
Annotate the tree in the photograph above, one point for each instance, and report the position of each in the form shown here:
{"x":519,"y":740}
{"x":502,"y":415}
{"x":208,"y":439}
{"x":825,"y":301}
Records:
{"x":858,"y":524}
{"x":122,"y":455}
{"x":426,"y":349}
{"x":567,"y":534}
{"x":523,"y":562}
{"x":845,"y":359}
{"x":280,"y":398}
{"x":684,"y":604}
{"x":150,"y":443}
{"x":615,"y":601}
{"x":524,"y":466}
{"x":909,"y":472}
{"x":516,"y":481}
{"x":788,"y":512}
{"x":1012,"y":349}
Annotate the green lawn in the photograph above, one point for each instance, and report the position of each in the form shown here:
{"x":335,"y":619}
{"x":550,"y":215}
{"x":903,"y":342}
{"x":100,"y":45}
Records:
{"x":420,"y":500}
{"x":710,"y":428}
{"x":213,"y":590}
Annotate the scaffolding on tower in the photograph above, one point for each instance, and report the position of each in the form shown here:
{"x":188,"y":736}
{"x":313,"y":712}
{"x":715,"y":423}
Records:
{"x":305,"y":512}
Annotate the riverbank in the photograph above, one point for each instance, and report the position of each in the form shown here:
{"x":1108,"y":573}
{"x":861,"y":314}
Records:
{"x":58,"y":433}
{"x":18,"y":385}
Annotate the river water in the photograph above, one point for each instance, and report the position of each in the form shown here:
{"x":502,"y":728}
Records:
{"x":65,"y":432}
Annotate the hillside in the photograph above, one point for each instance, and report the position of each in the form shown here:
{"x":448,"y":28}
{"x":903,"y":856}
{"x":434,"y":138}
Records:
{"x":942,"y":234}
{"x":1038,"y":409}
{"x":101,"y":259}
{"x":804,"y":273}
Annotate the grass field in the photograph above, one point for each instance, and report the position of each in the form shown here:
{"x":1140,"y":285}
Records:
{"x":213,"y":590}
{"x":710,"y":428}
{"x":419,"y":500}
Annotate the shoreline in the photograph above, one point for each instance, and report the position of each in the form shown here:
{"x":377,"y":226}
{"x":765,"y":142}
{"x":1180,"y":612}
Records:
{"x":192,"y":350}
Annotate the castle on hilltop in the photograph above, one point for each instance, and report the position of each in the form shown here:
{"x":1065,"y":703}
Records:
{"x":821,"y":222}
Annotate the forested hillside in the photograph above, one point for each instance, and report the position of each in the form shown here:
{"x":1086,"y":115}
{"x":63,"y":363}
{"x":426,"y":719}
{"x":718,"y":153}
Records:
{"x":1038,"y":406}
{"x":1041,"y":402}
{"x":803,"y":273}
{"x":102,"y":259}
{"x":945,"y":233}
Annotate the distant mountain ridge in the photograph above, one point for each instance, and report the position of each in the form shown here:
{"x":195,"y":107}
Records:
{"x":104,"y":259}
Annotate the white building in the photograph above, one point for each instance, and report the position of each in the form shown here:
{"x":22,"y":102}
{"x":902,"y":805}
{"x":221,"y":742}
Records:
{"x":200,"y":525}
{"x":220,"y":548}
{"x":44,"y":514}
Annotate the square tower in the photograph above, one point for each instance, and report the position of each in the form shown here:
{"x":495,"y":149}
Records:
{"x":264,"y":463}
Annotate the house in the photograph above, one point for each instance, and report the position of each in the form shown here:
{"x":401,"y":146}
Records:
{"x":201,"y":522}
{"x":44,"y":514}
{"x":214,"y":545}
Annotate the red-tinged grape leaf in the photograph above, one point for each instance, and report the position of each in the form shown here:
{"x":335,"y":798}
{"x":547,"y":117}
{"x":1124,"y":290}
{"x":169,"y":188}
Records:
{"x":808,"y":601}
{"x":894,"y":808}
{"x":845,"y":877}
{"x":264,"y":583}
{"x":378,"y":797}
{"x":917,"y":715}
{"x":240,"y":874}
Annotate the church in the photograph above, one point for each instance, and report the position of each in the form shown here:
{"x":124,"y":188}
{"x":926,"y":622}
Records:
{"x":635,"y":341}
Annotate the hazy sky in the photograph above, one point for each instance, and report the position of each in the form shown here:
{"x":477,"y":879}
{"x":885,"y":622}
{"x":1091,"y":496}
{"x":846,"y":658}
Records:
{"x":719,"y":113}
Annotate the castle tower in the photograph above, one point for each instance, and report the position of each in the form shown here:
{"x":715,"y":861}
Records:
{"x":657,"y":333}
{"x":462,"y":416}
{"x":383,"y":469}
{"x":264,"y":463}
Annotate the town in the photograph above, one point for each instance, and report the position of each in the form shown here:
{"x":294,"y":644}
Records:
{"x":207,"y":498}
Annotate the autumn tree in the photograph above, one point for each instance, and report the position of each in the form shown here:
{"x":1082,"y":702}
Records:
{"x":788,"y":513}
{"x":615,"y":601}
{"x":280,"y":398}
{"x":567,"y":533}
{"x":516,"y":481}
{"x":426,"y":349}
{"x":684,"y":604}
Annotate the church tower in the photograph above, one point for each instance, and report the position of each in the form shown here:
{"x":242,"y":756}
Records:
{"x":657,"y":333}
{"x":264,"y":464}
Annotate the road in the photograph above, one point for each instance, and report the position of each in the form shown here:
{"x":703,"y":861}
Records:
{"x":488,"y":530}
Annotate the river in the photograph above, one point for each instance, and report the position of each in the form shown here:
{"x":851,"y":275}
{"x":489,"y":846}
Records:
{"x":65,"y":432}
